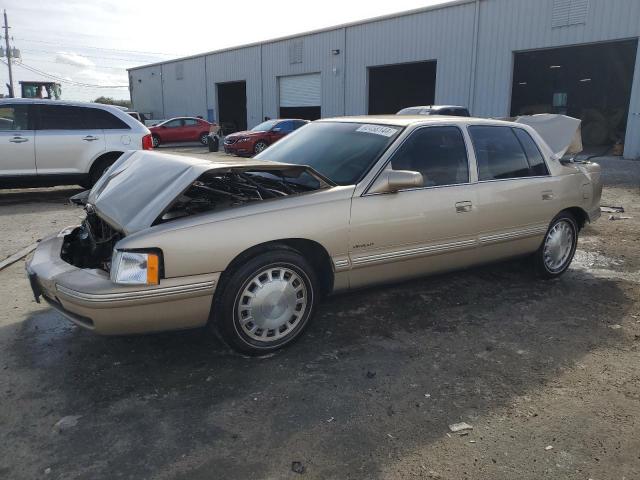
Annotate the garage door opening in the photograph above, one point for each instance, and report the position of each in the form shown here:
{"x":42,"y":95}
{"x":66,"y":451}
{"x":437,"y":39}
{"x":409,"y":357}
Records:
{"x":394,"y":87}
{"x":300,"y":96}
{"x":232,"y":106}
{"x":591,"y":82}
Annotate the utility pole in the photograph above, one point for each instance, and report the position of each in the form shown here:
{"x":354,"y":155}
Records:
{"x":6,"y":38}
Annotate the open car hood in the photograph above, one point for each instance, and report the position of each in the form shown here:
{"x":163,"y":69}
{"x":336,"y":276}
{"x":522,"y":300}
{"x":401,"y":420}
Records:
{"x":138,"y":187}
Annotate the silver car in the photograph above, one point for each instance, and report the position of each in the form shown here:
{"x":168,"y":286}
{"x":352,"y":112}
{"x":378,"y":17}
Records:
{"x":250,"y":247}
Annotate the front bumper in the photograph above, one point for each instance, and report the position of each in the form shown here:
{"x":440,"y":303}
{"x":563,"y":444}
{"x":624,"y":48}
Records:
{"x":89,"y":299}
{"x":239,"y":148}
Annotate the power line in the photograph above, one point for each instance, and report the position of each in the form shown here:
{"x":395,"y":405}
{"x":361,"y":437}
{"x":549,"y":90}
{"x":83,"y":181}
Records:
{"x":97,"y":48}
{"x":65,"y":80}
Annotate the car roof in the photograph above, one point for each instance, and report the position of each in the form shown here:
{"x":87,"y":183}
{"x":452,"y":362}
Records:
{"x":32,"y":101}
{"x":437,"y":107}
{"x":408,"y":120}
{"x":184,"y":118}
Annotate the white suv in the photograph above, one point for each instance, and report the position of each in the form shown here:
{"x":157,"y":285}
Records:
{"x":46,"y":143}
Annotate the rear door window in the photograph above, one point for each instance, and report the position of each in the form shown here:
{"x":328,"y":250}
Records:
{"x":438,"y":153}
{"x":536,"y":160}
{"x":190,"y":122}
{"x":14,"y":117}
{"x":499,"y":153}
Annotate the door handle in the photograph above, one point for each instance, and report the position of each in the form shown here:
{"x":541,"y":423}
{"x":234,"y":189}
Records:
{"x":19,"y":140}
{"x":464,"y":207}
{"x":547,"y":195}
{"x":90,"y":138}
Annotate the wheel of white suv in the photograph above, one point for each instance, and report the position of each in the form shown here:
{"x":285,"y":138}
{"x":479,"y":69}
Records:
{"x":559,"y":246}
{"x":266,"y":303}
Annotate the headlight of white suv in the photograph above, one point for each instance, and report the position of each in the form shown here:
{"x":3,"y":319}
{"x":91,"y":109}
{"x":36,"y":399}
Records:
{"x":135,"y":268}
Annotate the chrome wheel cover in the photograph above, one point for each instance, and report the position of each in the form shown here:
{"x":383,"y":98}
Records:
{"x":260,"y":146}
{"x":155,"y":141}
{"x":272,"y":304}
{"x":558,"y":246}
{"x":203,"y":139}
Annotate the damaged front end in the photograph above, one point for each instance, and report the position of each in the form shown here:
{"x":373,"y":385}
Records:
{"x":90,"y":245}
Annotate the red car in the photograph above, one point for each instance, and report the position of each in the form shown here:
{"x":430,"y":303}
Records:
{"x":182,"y":129}
{"x":252,"y":142}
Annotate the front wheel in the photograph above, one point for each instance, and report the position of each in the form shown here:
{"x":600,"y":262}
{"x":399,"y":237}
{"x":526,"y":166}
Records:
{"x":558,"y":248}
{"x":155,"y":140}
{"x":259,"y":146}
{"x":266,"y":303}
{"x":203,"y":138}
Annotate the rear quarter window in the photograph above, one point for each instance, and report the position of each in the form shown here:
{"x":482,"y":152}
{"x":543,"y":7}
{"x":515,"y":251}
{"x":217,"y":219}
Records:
{"x":536,"y":160}
{"x":97,"y":118}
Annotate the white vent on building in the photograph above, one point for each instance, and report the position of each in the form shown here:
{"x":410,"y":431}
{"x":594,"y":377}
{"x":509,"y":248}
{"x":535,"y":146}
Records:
{"x":569,"y":12}
{"x":179,"y":71}
{"x":295,"y":51}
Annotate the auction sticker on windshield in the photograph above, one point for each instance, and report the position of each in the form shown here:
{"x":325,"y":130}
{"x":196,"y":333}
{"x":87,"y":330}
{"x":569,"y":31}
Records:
{"x":378,"y":130}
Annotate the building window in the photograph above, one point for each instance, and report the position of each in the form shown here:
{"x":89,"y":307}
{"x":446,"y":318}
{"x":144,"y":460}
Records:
{"x":569,"y":12}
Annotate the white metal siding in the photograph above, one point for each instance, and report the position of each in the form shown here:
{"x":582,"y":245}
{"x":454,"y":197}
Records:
{"x":184,"y":95}
{"x":507,"y":26}
{"x":242,"y":64}
{"x":444,"y":35}
{"x":300,"y":91}
{"x":316,"y":57}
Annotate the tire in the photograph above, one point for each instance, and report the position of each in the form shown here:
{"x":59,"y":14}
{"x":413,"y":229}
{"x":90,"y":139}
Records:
{"x":203,"y":138}
{"x":558,"y":247}
{"x":98,"y":170}
{"x":259,"y":146}
{"x":265,"y":303}
{"x":155,"y":141}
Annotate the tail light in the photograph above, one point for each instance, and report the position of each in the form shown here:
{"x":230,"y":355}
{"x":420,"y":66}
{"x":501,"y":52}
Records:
{"x":147,"y":142}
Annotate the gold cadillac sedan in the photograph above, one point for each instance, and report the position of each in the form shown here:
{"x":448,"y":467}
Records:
{"x":250,"y":247}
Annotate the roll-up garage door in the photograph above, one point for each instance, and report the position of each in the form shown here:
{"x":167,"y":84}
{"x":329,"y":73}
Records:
{"x":300,"y":96}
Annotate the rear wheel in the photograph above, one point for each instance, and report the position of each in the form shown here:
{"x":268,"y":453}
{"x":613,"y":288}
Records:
{"x":99,"y":168}
{"x":155,"y":140}
{"x":266,"y":303}
{"x":558,"y":248}
{"x":203,"y":138}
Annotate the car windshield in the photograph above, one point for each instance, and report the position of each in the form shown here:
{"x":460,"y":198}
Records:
{"x":342,"y":152}
{"x":264,"y":126}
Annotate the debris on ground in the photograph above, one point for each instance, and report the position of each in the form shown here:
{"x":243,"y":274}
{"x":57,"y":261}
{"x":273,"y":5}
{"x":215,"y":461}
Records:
{"x":615,"y":327}
{"x":370,"y":374}
{"x":47,"y":471}
{"x":619,"y":217}
{"x":427,"y":395}
{"x":610,"y":209}
{"x":67,"y":422}
{"x":460,"y":427}
{"x":548,"y":447}
{"x":329,"y":420}
{"x":298,"y":467}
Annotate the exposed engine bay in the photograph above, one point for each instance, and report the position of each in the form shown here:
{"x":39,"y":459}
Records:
{"x":90,"y":245}
{"x":217,"y":191}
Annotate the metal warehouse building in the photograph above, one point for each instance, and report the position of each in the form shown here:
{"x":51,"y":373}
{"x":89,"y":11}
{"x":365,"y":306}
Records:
{"x":498,"y":57}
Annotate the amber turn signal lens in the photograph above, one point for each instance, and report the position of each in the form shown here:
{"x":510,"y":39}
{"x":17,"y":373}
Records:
{"x":153,"y":269}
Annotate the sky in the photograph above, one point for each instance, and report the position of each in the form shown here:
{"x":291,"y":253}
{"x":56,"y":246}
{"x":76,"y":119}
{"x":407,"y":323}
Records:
{"x":93,"y":42}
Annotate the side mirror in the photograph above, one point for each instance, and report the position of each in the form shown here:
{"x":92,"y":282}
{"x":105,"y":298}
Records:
{"x":391,"y":181}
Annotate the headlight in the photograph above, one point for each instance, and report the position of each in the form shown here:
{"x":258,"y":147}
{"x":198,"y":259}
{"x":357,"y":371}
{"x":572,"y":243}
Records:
{"x":135,"y":268}
{"x":243,"y":139}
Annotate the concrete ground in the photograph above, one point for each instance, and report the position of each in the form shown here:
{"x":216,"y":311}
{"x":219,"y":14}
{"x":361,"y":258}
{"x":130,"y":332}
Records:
{"x":547,"y":373}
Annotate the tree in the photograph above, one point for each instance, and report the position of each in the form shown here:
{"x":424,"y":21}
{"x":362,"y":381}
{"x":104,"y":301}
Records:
{"x":112,"y":101}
